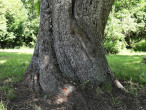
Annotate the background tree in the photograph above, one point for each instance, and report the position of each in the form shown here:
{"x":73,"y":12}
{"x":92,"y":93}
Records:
{"x":126,"y":26}
{"x":70,"y":52}
{"x":18,"y":26}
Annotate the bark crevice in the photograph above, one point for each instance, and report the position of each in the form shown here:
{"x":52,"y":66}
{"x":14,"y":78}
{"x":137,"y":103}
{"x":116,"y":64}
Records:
{"x":70,"y":48}
{"x":71,"y":51}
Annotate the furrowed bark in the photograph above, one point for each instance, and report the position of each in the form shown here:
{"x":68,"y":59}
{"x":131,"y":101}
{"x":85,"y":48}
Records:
{"x":69,"y":49}
{"x":70,"y":43}
{"x":78,"y":40}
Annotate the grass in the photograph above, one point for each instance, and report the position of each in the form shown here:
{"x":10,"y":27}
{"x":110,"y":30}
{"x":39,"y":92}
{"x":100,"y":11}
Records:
{"x":8,"y":91}
{"x":128,"y":67}
{"x":131,"y":52}
{"x":2,"y":106}
{"x":13,"y":64}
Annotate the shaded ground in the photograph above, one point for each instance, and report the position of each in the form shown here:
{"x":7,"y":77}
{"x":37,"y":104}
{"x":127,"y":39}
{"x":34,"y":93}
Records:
{"x":26,"y":99}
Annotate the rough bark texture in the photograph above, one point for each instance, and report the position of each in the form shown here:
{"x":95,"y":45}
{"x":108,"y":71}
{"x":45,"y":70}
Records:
{"x":70,"y":48}
{"x":78,"y":30}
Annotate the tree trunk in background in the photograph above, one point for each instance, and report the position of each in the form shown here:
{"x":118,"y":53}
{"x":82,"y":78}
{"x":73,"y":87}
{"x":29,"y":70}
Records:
{"x":69,"y":48}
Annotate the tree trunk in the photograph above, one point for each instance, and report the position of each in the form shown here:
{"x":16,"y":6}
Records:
{"x":69,"y":50}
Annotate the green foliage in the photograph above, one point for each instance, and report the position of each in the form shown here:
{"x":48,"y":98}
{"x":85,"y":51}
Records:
{"x":111,"y":46}
{"x":16,"y":27}
{"x":141,"y":46}
{"x":114,"y":40}
{"x":126,"y":25}
{"x":19,"y":22}
{"x":3,"y":20}
{"x":33,"y":6}
{"x":31,"y":31}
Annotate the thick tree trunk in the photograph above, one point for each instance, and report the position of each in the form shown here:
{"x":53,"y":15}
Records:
{"x":69,"y":50}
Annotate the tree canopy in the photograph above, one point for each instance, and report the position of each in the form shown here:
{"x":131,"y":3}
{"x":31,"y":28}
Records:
{"x":125,"y":28}
{"x":16,"y":28}
{"x":127,"y":19}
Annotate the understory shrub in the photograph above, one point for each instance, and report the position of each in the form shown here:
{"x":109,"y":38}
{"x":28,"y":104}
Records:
{"x":140,"y":46}
{"x":18,"y":27}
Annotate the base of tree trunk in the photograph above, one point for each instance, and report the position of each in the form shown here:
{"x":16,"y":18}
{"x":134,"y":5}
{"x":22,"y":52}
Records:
{"x":79,"y":96}
{"x":105,"y":99}
{"x":69,"y":54}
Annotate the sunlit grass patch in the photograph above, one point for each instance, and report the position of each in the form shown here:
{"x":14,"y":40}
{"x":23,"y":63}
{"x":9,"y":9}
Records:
{"x":130,"y":52}
{"x":13,"y":65}
{"x":19,"y":51}
{"x":2,"y":106}
{"x":128,"y":67}
{"x":12,"y":68}
{"x":2,"y":61}
{"x":125,"y":67}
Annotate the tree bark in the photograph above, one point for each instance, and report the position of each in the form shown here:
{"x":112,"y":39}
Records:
{"x":69,"y":50}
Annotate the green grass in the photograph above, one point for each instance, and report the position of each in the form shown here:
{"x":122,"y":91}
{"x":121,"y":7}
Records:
{"x":128,"y":67}
{"x":8,"y":91}
{"x":2,"y":106}
{"x":13,"y":64}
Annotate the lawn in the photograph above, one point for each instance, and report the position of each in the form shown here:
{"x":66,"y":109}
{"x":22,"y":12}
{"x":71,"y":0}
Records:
{"x":129,"y":69}
{"x":13,"y":64}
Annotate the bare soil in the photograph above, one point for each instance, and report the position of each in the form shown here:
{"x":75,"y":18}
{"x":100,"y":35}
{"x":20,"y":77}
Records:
{"x":27,"y":99}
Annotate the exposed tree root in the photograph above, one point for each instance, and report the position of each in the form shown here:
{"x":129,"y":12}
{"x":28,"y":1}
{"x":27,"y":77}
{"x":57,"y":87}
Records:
{"x":119,"y":85}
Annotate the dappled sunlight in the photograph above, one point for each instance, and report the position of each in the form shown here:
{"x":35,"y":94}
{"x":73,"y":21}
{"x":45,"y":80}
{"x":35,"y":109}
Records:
{"x":137,"y":62}
{"x":60,"y":99}
{"x":9,"y":80}
{"x":130,"y":52}
{"x":2,"y":106}
{"x":2,"y":61}
{"x":22,"y":62}
{"x":19,"y":51}
{"x":64,"y":93}
{"x":45,"y":62}
{"x":127,"y":63}
{"x":13,"y":65}
{"x":134,"y":62}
